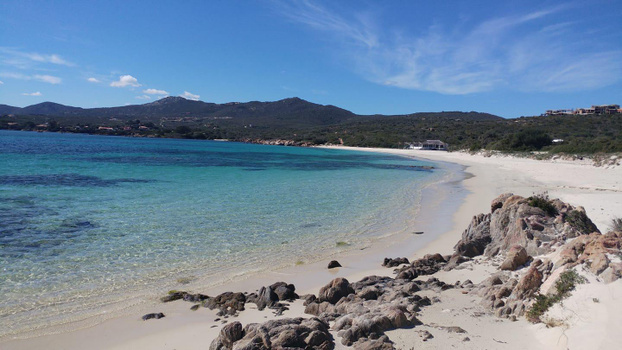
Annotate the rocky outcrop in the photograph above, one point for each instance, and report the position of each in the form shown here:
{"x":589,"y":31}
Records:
{"x":519,"y":221}
{"x":509,"y":295}
{"x":518,"y":228}
{"x":594,"y":250}
{"x":376,"y":305}
{"x":287,"y":333}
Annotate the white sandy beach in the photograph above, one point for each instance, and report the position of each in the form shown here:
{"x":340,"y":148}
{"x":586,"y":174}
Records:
{"x":598,"y":189}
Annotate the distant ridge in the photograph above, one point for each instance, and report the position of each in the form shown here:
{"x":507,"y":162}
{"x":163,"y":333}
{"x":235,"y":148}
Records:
{"x":289,"y":112}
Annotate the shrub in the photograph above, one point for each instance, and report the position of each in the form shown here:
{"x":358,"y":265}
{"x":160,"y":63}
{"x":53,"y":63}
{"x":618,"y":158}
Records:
{"x":543,"y":303}
{"x":616,"y":224}
{"x":581,"y":222}
{"x":543,"y":202}
{"x":566,"y":283}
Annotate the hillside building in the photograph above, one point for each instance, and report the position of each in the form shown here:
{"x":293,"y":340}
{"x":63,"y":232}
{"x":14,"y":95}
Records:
{"x":600,"y":109}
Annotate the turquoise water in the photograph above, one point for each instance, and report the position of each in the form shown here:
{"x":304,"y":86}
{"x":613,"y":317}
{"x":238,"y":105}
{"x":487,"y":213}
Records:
{"x":88,"y":222}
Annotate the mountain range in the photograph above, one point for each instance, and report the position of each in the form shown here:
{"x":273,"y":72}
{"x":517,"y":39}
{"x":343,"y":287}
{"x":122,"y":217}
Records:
{"x":289,"y":112}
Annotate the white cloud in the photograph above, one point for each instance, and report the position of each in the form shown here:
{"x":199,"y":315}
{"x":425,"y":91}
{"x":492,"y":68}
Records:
{"x":32,"y":93}
{"x":1,"y":82}
{"x":125,"y":80}
{"x":48,"y":79}
{"x":55,"y":59}
{"x":526,"y":52}
{"x":155,"y":92}
{"x":143,"y":97}
{"x":93,"y":80}
{"x":190,"y":96}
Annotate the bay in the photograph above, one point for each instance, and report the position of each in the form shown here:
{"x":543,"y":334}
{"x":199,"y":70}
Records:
{"x":90,"y":222}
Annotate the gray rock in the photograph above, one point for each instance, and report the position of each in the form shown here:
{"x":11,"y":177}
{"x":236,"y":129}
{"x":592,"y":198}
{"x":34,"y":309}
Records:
{"x":425,"y":335}
{"x":284,"y":291}
{"x":333,"y":264}
{"x":517,"y":256}
{"x":287,"y":333}
{"x":388,"y":262}
{"x":156,"y":316}
{"x":227,"y":302}
{"x":228,"y":335}
{"x":335,"y":290}
{"x":475,"y":238}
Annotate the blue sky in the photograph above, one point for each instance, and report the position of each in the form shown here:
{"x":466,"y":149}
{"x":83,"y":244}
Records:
{"x":509,"y":58}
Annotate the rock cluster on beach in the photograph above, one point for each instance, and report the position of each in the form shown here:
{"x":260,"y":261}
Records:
{"x":530,"y":244}
{"x":286,"y":333}
{"x":517,"y":232}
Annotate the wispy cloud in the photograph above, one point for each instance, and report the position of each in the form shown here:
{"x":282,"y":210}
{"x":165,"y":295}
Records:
{"x":143,"y":97}
{"x":190,"y":96}
{"x":43,"y":78}
{"x":25,"y":60}
{"x":93,"y":80}
{"x":48,"y":79}
{"x":155,"y":92}
{"x":1,"y":82}
{"x":530,"y":52}
{"x":125,"y":80}
{"x":32,"y":93}
{"x":358,"y":30}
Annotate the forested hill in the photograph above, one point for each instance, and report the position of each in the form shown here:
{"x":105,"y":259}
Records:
{"x":291,"y":112}
{"x":299,"y":122}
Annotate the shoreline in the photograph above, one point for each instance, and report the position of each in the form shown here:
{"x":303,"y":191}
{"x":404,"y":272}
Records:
{"x":307,"y":278}
{"x":184,"y":329}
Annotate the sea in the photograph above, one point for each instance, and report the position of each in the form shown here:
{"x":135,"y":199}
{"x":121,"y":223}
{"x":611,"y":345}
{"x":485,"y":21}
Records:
{"x":90,"y":223}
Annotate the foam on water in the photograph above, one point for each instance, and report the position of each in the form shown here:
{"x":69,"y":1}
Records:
{"x":89,"y":224}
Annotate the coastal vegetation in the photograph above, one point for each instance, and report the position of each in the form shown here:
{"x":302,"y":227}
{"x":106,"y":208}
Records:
{"x":543,"y":202}
{"x":567,"y":282}
{"x":294,"y":121}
